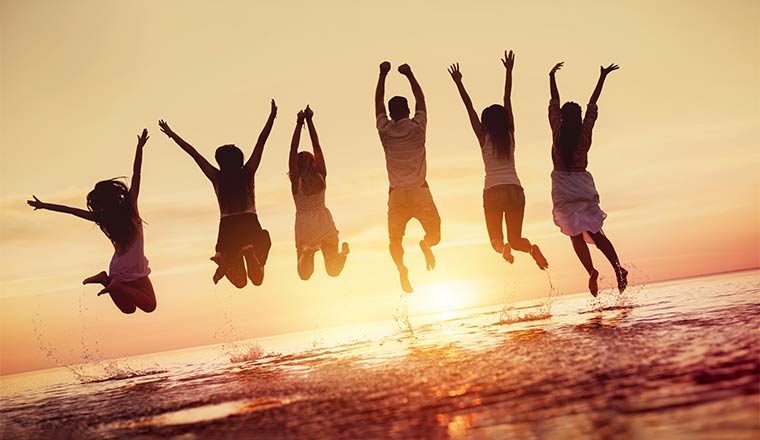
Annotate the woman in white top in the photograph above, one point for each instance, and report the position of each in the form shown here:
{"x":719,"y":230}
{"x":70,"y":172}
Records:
{"x":240,"y":234}
{"x":315,"y":229}
{"x":503,"y":196}
{"x":113,"y":207}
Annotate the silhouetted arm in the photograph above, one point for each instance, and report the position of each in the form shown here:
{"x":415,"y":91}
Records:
{"x":293,"y":157}
{"x":509,"y":63}
{"x":419,"y":97}
{"x":258,"y":149}
{"x":456,"y":75}
{"x":603,"y":72}
{"x":209,"y":170}
{"x":385,"y":67}
{"x":553,"y":81}
{"x":81,"y":213}
{"x":319,"y":157}
{"x":134,"y":187}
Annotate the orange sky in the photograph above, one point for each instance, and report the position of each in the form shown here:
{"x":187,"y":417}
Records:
{"x":674,"y":156}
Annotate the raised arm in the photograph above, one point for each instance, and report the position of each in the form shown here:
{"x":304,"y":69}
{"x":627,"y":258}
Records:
{"x":553,"y":81}
{"x":134,"y":188}
{"x":385,"y":67}
{"x":509,"y":63}
{"x":603,"y":72}
{"x":456,"y":75}
{"x":209,"y":170}
{"x":319,"y":158}
{"x":258,"y":149}
{"x":293,"y":157}
{"x":419,"y":97}
{"x":81,"y":213}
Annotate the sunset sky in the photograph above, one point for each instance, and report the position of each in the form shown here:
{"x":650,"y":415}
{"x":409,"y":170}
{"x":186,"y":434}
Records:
{"x":675,"y":153}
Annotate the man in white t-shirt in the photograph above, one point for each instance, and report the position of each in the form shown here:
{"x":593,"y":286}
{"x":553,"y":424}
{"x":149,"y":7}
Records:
{"x":403,"y":140}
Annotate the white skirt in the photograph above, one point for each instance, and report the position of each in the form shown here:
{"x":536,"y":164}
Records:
{"x":576,"y":204}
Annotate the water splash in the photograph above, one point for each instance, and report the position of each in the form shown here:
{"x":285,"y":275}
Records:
{"x":401,"y":314}
{"x":610,"y":298}
{"x":244,"y":351}
{"x":511,"y":314}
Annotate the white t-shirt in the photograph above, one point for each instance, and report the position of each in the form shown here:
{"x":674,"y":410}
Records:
{"x":499,"y":170}
{"x":404,"y":145}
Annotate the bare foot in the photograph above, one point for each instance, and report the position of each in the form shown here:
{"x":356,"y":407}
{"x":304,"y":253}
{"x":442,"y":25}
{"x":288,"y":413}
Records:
{"x":535,"y":252}
{"x":429,"y":257}
{"x":218,"y":275}
{"x":217,"y":258}
{"x":344,"y":248}
{"x":107,"y":289}
{"x":592,"y":284}
{"x":622,"y":278}
{"x":506,"y":253}
{"x":403,"y":274}
{"x":101,"y":278}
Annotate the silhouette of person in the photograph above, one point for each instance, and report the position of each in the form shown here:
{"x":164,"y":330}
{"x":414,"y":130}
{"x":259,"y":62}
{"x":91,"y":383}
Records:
{"x":403,"y":140}
{"x":503,"y":196}
{"x":314,"y":229}
{"x":113,"y":207}
{"x":576,"y":202}
{"x":240,"y":234}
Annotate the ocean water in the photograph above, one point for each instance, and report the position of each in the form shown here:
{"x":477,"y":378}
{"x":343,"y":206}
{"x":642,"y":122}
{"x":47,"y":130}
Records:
{"x":670,"y":360}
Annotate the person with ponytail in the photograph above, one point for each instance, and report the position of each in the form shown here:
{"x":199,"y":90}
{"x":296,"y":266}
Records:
{"x":576,"y":201}
{"x":113,"y":207}
{"x":241,"y":241}
{"x":314,"y":229}
{"x":503,"y":196}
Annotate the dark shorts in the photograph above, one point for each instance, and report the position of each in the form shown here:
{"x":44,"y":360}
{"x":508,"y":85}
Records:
{"x":240,"y":230}
{"x":507,"y":202}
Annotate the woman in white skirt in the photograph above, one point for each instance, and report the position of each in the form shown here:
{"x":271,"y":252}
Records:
{"x":315,"y":229}
{"x":576,"y":202}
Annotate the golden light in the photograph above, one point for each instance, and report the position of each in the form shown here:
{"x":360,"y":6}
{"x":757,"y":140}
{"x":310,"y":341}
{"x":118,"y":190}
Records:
{"x":442,"y":298}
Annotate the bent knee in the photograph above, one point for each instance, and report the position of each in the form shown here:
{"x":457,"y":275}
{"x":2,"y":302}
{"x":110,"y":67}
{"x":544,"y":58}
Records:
{"x":150,"y":308}
{"x":433,"y":239}
{"x":128,"y":310}
{"x":238,"y":282}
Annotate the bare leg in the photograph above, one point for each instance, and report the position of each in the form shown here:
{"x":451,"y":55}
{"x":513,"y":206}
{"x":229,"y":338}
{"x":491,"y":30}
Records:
{"x":581,"y":250}
{"x":255,"y":268}
{"x":99,"y":278}
{"x":397,"y":253}
{"x":305,"y":264}
{"x":130,"y":294}
{"x":428,"y":253}
{"x":605,"y":245}
{"x":334,"y":260}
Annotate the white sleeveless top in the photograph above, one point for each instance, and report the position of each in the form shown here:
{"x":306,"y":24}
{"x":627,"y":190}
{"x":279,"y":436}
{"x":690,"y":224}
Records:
{"x":499,"y":170}
{"x":130,"y":264}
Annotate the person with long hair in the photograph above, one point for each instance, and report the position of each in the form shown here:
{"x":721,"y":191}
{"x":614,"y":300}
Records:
{"x":503,"y":195}
{"x":576,"y":201}
{"x":113,"y":207}
{"x":315,"y":229}
{"x":240,"y":234}
{"x":403,"y":139}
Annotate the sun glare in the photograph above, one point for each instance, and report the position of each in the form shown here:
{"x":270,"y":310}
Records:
{"x":444,"y":298}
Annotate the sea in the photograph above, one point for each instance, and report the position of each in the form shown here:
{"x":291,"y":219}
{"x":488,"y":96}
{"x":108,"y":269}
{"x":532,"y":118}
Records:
{"x":669,"y":360}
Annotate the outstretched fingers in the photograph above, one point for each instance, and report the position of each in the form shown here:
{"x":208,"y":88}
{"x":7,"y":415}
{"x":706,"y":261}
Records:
{"x":454,"y":71}
{"x":509,"y":59}
{"x":611,"y":68}
{"x":557,"y":67}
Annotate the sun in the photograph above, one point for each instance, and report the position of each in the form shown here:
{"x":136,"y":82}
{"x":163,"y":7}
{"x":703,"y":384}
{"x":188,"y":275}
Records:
{"x":444,"y":298}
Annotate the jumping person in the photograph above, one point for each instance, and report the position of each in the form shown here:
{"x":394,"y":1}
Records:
{"x":240,"y":234}
{"x":576,"y":202}
{"x":409,"y":196}
{"x":503,"y":196}
{"x":315,"y":229}
{"x":113,"y":207}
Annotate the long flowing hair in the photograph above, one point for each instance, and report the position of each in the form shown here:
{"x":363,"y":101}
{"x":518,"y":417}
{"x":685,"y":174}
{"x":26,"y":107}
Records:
{"x":498,"y":127}
{"x":234,"y":179}
{"x":114,"y":211}
{"x":569,"y":131}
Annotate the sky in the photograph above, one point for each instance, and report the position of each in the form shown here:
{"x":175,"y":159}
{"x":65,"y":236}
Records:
{"x":674,"y":156}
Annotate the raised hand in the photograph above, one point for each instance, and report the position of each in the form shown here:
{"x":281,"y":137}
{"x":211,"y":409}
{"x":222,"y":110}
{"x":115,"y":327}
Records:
{"x":143,"y":138}
{"x":508,"y":60}
{"x":273,"y":111}
{"x":36,"y":203}
{"x":385,"y":67}
{"x":300,"y":117}
{"x":455,"y":73}
{"x":404,"y":69}
{"x":308,"y":112}
{"x":556,"y":67}
{"x":165,"y":128}
{"x":604,"y":71}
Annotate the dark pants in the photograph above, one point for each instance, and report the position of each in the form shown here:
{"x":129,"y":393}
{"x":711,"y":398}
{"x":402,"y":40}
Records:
{"x":240,"y":230}
{"x":507,"y":201}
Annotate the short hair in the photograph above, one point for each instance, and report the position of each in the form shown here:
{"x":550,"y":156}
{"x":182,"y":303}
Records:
{"x":229,"y":157}
{"x":398,"y":107}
